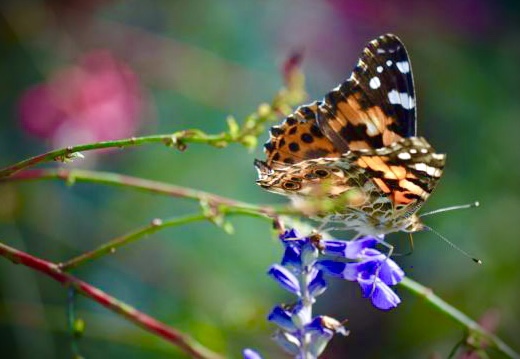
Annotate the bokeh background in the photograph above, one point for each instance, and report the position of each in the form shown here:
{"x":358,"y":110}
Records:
{"x":80,"y":71}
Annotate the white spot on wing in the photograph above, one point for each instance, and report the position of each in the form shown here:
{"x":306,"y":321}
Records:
{"x":430,"y":171}
{"x":404,"y":156}
{"x":389,"y":63}
{"x":374,"y":83}
{"x":379,"y":69}
{"x":403,"y":66}
{"x":401,"y":98}
{"x":420,"y":167}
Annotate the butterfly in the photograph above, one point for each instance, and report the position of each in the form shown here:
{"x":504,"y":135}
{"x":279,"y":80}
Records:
{"x":358,"y":149}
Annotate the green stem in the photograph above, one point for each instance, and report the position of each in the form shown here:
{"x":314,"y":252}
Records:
{"x":113,"y":179}
{"x":473,"y":327}
{"x":246,"y":135}
{"x":112,"y":245}
{"x":65,"y":153}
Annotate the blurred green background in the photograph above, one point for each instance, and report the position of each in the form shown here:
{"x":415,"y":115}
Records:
{"x":68,"y":68}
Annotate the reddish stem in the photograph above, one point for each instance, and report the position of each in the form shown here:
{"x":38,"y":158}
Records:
{"x":181,"y":340}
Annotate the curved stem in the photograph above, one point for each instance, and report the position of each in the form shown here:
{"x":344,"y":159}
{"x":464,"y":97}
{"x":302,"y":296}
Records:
{"x":245,"y":134}
{"x":473,"y":327}
{"x":114,"y":179}
{"x":63,"y":154}
{"x":112,"y":245}
{"x":181,"y":340}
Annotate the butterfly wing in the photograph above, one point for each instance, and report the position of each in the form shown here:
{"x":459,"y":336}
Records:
{"x":298,"y":138}
{"x":361,"y":137}
{"x":406,"y":172}
{"x":375,"y":107}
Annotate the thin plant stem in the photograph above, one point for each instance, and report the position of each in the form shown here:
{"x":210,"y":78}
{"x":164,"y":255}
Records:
{"x":245,"y":134}
{"x":72,"y":322}
{"x":112,"y":245}
{"x":114,"y":179}
{"x":472,"y":327}
{"x":63,"y":154}
{"x":183,"y":341}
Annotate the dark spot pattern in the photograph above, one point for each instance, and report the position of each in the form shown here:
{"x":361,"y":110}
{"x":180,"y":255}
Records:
{"x":307,"y":138}
{"x":269,"y":146}
{"x":316,"y":132}
{"x":294,"y":147}
{"x":322,"y":173}
{"x":291,"y":121}
{"x":276,"y":131}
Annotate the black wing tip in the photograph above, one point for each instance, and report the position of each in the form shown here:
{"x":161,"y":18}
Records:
{"x":388,"y":40}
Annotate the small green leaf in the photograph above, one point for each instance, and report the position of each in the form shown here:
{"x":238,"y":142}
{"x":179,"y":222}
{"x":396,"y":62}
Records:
{"x":250,"y":141}
{"x":234,"y":129}
{"x":228,"y":227}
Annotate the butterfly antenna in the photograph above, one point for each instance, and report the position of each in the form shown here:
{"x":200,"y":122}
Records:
{"x":453,"y":245}
{"x":452,"y":208}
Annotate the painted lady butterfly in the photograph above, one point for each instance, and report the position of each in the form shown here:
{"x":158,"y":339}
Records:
{"x":358,"y":148}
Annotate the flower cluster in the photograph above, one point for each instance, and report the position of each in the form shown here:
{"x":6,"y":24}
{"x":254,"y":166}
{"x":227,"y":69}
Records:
{"x":306,"y":263}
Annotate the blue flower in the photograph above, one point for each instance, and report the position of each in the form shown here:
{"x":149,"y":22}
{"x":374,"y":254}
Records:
{"x":303,"y":273}
{"x":373,"y":270}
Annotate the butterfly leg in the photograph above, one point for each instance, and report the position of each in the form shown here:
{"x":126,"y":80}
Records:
{"x":388,"y":255}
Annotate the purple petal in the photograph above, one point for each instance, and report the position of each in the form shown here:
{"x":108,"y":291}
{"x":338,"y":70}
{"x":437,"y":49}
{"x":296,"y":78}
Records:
{"x":285,"y":278}
{"x":348,"y":249}
{"x":282,"y":318}
{"x":317,"y":284}
{"x":381,"y":295}
{"x":250,"y":354}
{"x":320,"y":336}
{"x":390,"y":273}
{"x":290,"y":234}
{"x":288,"y":342}
{"x":331,"y":268}
{"x":388,"y":270}
{"x":292,"y":258}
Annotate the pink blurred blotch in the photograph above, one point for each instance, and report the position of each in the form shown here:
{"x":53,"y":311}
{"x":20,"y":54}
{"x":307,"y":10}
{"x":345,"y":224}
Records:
{"x":98,"y":99}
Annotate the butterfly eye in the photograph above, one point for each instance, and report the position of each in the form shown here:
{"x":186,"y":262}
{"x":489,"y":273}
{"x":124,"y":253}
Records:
{"x":291,"y":186}
{"x":322,"y":173}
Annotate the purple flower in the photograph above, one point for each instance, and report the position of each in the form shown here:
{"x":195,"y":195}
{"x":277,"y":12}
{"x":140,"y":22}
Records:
{"x":374,"y":271}
{"x":303,"y":273}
